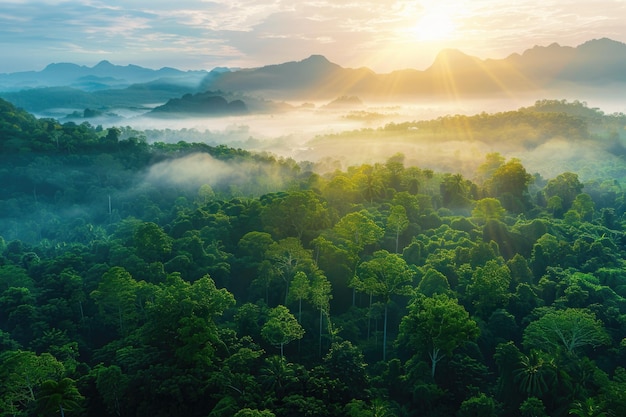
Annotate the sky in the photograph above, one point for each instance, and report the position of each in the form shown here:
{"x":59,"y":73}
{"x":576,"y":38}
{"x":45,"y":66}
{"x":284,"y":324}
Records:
{"x":383,"y":35}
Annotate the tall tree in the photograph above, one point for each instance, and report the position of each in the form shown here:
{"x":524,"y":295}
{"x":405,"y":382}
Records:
{"x":397,"y":222}
{"x":300,"y":290}
{"x":386,"y":274}
{"x":288,"y":256}
{"x":281,"y":328}
{"x":321,"y":294}
{"x":436,"y":326}
{"x":115,"y":298}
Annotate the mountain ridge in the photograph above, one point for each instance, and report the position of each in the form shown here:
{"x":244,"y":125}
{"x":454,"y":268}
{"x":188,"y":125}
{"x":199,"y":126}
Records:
{"x":65,"y":74}
{"x":597,"y":62}
{"x":594,"y":65}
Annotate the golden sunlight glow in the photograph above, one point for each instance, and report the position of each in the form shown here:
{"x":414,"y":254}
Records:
{"x":434,"y":26}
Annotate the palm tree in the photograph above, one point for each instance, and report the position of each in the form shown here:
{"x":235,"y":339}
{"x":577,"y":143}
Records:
{"x":276,"y":374}
{"x":533,"y":374}
{"x":62,"y":396}
{"x":587,"y":408}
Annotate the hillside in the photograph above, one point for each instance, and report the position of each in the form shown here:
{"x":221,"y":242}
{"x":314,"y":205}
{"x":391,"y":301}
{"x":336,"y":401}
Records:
{"x":184,"y":279}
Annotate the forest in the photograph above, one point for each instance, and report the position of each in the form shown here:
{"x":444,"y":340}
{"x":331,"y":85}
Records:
{"x":145,"y":278}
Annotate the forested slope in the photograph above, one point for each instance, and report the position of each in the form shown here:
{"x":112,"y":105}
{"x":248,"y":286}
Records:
{"x":132,"y":284}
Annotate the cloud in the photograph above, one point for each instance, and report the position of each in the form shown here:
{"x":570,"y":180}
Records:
{"x":194,"y":34}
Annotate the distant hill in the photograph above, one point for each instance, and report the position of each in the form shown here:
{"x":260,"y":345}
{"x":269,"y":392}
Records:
{"x":202,"y":104}
{"x":100,"y":76}
{"x":597,"y":63}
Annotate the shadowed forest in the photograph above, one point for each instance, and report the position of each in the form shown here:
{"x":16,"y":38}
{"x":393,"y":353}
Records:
{"x":148,"y":278}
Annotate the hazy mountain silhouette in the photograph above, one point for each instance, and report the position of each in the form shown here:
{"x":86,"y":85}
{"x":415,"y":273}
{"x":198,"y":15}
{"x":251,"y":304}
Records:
{"x":202,"y":104}
{"x":102,"y":75}
{"x":595,"y":63}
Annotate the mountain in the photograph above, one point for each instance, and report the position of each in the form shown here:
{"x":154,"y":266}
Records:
{"x":202,"y":104}
{"x":294,"y":79}
{"x":100,"y":76}
{"x":597,"y":63}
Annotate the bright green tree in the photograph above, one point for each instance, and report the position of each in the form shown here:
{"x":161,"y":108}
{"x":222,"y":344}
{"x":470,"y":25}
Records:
{"x":569,"y":330}
{"x":58,"y":396}
{"x":488,"y":209}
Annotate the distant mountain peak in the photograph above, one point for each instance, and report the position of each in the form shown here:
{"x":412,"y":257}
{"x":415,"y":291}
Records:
{"x":103,"y":64}
{"x":317,"y":59}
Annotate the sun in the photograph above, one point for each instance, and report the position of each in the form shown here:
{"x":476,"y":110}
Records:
{"x":434,"y":26}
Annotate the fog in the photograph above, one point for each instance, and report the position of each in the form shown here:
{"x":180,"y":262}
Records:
{"x":316,"y":132}
{"x":193,"y":171}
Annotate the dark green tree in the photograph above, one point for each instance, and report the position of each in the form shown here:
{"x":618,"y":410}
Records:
{"x":385,"y":275}
{"x":435,"y":326}
{"x":281,"y":328}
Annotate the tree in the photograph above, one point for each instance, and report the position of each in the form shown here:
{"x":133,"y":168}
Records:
{"x":369,"y":182}
{"x":115,"y":298}
{"x":295,"y":213}
{"x":386,"y":274}
{"x":300,"y":290}
{"x":570,"y":330}
{"x":534,"y":373}
{"x":59,"y":395}
{"x":281,"y":328}
{"x":489,"y":288}
{"x":584,"y":206}
{"x":182,"y":320}
{"x":436,"y":326}
{"x":357,"y":230}
{"x":512,"y":179}
{"x":111,"y":384}
{"x":397,"y":222}
{"x":433,"y":282}
{"x":345,"y":362}
{"x":488,"y":209}
{"x":288,"y":256}
{"x":321,"y":294}
{"x":478,"y":405}
{"x":533,"y":407}
{"x":493,"y":161}
{"x":454,"y":191}
{"x":566,"y":186}
{"x":152,"y":242}
{"x":22,"y":373}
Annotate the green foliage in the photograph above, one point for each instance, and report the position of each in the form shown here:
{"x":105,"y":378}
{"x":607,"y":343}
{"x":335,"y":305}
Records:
{"x":281,"y":328}
{"x":435,"y":326}
{"x":568,"y":330}
{"x":168,"y":298}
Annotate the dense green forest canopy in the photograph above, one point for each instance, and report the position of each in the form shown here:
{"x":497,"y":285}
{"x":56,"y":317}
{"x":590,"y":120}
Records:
{"x":185,"y":279}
